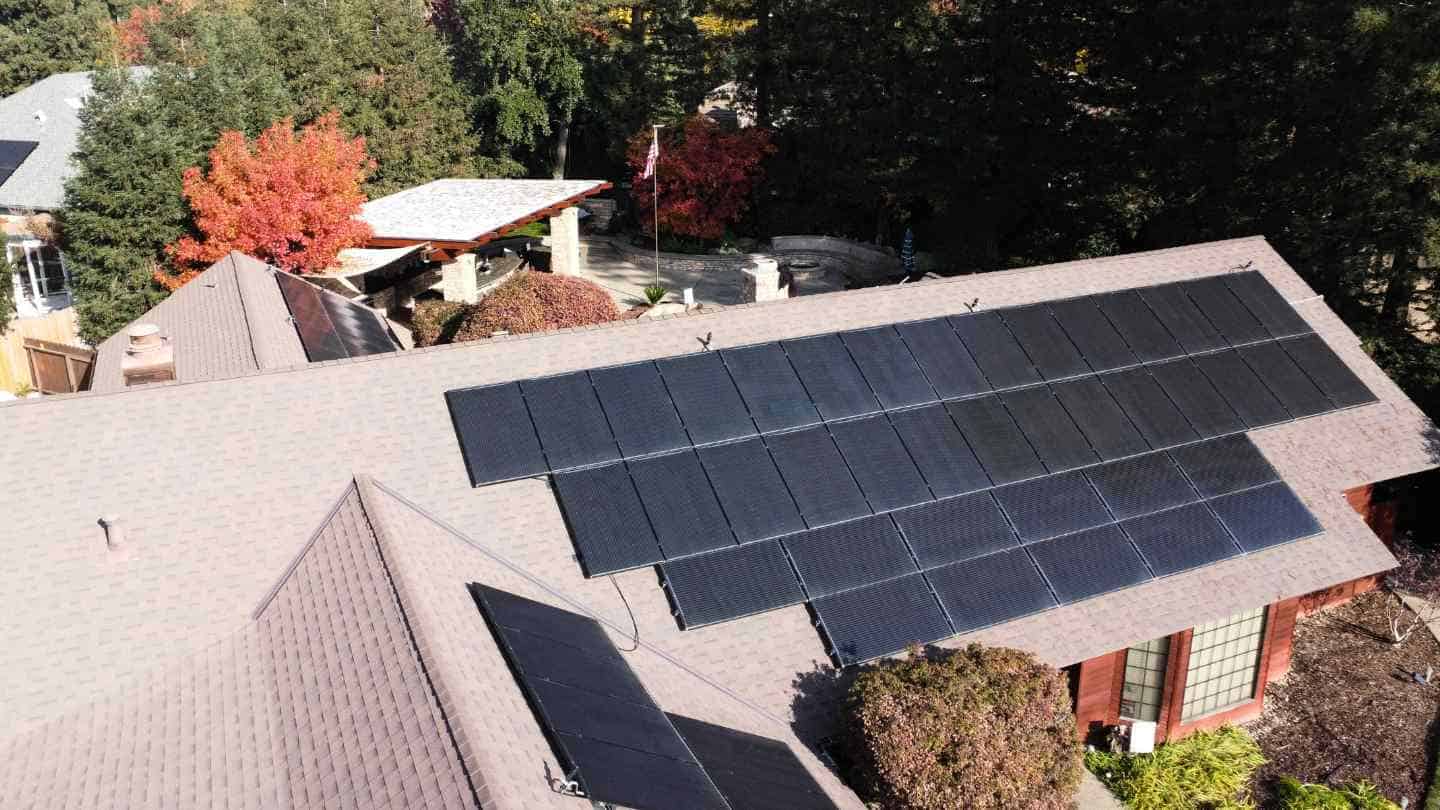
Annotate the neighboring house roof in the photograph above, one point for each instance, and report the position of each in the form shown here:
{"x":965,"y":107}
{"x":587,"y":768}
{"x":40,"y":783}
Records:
{"x":232,"y":320}
{"x":219,"y":485}
{"x":455,"y":210}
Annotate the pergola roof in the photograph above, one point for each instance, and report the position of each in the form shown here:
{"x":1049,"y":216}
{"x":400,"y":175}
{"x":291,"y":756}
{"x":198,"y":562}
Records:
{"x":469,"y":211}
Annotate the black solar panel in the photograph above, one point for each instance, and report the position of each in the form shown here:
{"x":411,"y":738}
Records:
{"x":880,"y":462}
{"x":752,"y":772}
{"x":1142,"y":399}
{"x":889,"y":367}
{"x":816,"y":474}
{"x":1045,"y":342}
{"x":834,"y":382}
{"x":1093,"y":334}
{"x":568,"y":418}
{"x":1053,"y":505}
{"x":1224,"y":465}
{"x":1225,"y":310}
{"x":554,"y":650}
{"x":1185,"y":321}
{"x":941,"y":453}
{"x":730,"y":583}
{"x":848,"y":555}
{"x":681,"y":504}
{"x":12,"y":154}
{"x":1265,"y":516}
{"x":1110,"y":431}
{"x":360,"y":329}
{"x":1280,"y":319}
{"x":639,"y":409}
{"x":771,"y":389}
{"x":1141,"y":485}
{"x":944,"y":359}
{"x":607,"y":522}
{"x":1209,"y":412}
{"x":1051,"y":431}
{"x":881,"y":619}
{"x":1291,"y":385}
{"x":995,"y":350}
{"x":1146,"y":336}
{"x":1089,"y":563}
{"x":317,"y":334}
{"x":1180,"y":539}
{"x":628,"y":778}
{"x":1001,"y":448}
{"x":955,"y":529}
{"x":571,"y":710}
{"x":990,"y":590}
{"x":706,"y":397}
{"x":1246,"y":393}
{"x":496,"y":439}
{"x":1328,"y":371}
{"x":750,"y":490}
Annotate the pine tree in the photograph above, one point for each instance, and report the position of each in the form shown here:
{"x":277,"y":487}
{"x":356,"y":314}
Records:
{"x":41,"y":37}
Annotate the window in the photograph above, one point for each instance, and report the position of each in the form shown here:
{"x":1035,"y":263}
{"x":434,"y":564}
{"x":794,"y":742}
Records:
{"x":1224,"y":662}
{"x":1144,"y":680}
{"x":39,"y":275}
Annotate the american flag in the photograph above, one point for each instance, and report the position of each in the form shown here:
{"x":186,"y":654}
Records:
{"x":652,"y":157}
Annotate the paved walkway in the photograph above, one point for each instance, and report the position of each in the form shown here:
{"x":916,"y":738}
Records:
{"x":626,"y":280}
{"x":1427,"y":611}
{"x":1095,"y":796}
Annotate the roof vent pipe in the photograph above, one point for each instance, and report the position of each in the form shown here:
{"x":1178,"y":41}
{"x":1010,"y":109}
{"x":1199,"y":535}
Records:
{"x":148,"y":358}
{"x":114,"y":532}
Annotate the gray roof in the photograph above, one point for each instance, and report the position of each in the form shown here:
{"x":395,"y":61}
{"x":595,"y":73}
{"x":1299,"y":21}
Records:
{"x":466,"y":210}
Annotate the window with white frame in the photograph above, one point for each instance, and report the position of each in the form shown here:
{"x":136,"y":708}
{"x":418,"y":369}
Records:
{"x":41,"y":281}
{"x":1144,"y":683}
{"x":1224,"y":664}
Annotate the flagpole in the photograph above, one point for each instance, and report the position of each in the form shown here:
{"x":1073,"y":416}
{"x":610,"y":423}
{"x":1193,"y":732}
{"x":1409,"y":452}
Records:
{"x":655,"y":188}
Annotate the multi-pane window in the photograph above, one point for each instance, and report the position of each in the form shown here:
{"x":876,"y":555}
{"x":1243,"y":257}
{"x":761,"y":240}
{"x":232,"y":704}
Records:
{"x":39,"y":274}
{"x":1224,"y":662}
{"x":1144,"y":680}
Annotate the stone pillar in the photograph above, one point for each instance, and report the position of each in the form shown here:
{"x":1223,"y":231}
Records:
{"x":762,"y":281}
{"x":459,"y":281}
{"x":565,"y":242}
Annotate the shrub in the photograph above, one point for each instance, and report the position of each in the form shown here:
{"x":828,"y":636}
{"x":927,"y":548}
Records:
{"x":1207,"y":770}
{"x":983,"y":727}
{"x":655,"y":293}
{"x":538,"y":302}
{"x":705,"y":177}
{"x":1293,"y":795}
{"x":436,"y":322}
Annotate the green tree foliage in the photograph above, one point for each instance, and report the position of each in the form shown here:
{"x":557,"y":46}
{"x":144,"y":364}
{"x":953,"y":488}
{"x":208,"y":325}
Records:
{"x":7,"y":291}
{"x":1292,"y":795}
{"x":1208,"y":770}
{"x":41,"y":37}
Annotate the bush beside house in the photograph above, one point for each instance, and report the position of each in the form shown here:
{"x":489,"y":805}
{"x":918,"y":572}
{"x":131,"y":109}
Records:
{"x":1208,"y":769}
{"x":528,"y":302}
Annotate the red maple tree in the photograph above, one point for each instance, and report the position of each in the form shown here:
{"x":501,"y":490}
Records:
{"x":706,"y":174}
{"x":289,"y":199}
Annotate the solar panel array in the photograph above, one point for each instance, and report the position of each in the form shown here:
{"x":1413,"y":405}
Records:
{"x":331,"y":327}
{"x":12,"y":154}
{"x":1028,"y":449}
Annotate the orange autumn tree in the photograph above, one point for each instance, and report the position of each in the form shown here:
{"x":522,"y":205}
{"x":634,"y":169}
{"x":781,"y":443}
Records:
{"x":289,"y":199}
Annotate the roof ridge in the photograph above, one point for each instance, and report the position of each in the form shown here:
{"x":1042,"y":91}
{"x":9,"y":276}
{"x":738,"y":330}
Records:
{"x":245,"y":304}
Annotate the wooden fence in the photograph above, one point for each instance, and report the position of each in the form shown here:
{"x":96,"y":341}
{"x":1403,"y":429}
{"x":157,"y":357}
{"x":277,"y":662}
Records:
{"x":58,"y":368}
{"x":56,"y":327}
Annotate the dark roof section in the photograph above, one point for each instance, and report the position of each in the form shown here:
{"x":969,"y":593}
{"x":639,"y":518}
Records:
{"x":12,"y":154}
{"x":332,"y":327}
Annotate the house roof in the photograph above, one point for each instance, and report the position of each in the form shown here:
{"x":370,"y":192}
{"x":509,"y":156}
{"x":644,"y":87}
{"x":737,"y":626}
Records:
{"x":220,"y":482}
{"x":457,"y":210}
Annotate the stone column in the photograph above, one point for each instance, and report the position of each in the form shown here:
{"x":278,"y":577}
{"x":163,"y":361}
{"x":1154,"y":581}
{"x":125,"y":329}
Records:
{"x":565,"y":242}
{"x":459,"y":281}
{"x":762,"y":281}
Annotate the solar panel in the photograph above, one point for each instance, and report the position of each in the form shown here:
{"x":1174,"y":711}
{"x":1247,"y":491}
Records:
{"x":360,"y":329}
{"x":989,"y":590}
{"x":1093,"y":334}
{"x":752,"y":772}
{"x":1234,"y":320}
{"x":1045,"y":342}
{"x":706,"y":397}
{"x":1089,"y":563}
{"x":816,"y":474}
{"x":995,"y":350}
{"x":880,"y":463}
{"x":1291,"y":385}
{"x":1180,"y":539}
{"x":1246,"y":393}
{"x":496,"y":439}
{"x":554,"y":651}
{"x":12,"y":154}
{"x":681,"y":504}
{"x":571,"y":710}
{"x":750,"y":490}
{"x":1265,"y":516}
{"x":312,"y":322}
{"x":771,"y":389}
{"x":730,"y":583}
{"x":1328,"y":371}
{"x":939,"y":450}
{"x":567,"y":416}
{"x":607,"y":522}
{"x":1051,"y":431}
{"x":1209,"y":412}
{"x":1280,"y":319}
{"x":944,"y":359}
{"x":955,"y":529}
{"x":889,"y":367}
{"x":881,"y":619}
{"x":1185,"y":321}
{"x":847,"y":555}
{"x":1109,"y":430}
{"x":629,"y":778}
{"x":1146,"y":336}
{"x":1053,"y":505}
{"x":835,"y":383}
{"x":639,"y":409}
{"x":1001,"y":448}
{"x":1150,"y":409}
{"x":1224,"y":465}
{"x":1141,"y":485}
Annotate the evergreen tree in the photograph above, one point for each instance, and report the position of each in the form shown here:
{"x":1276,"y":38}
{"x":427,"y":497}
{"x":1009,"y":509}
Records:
{"x":41,"y":37}
{"x":7,"y":291}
